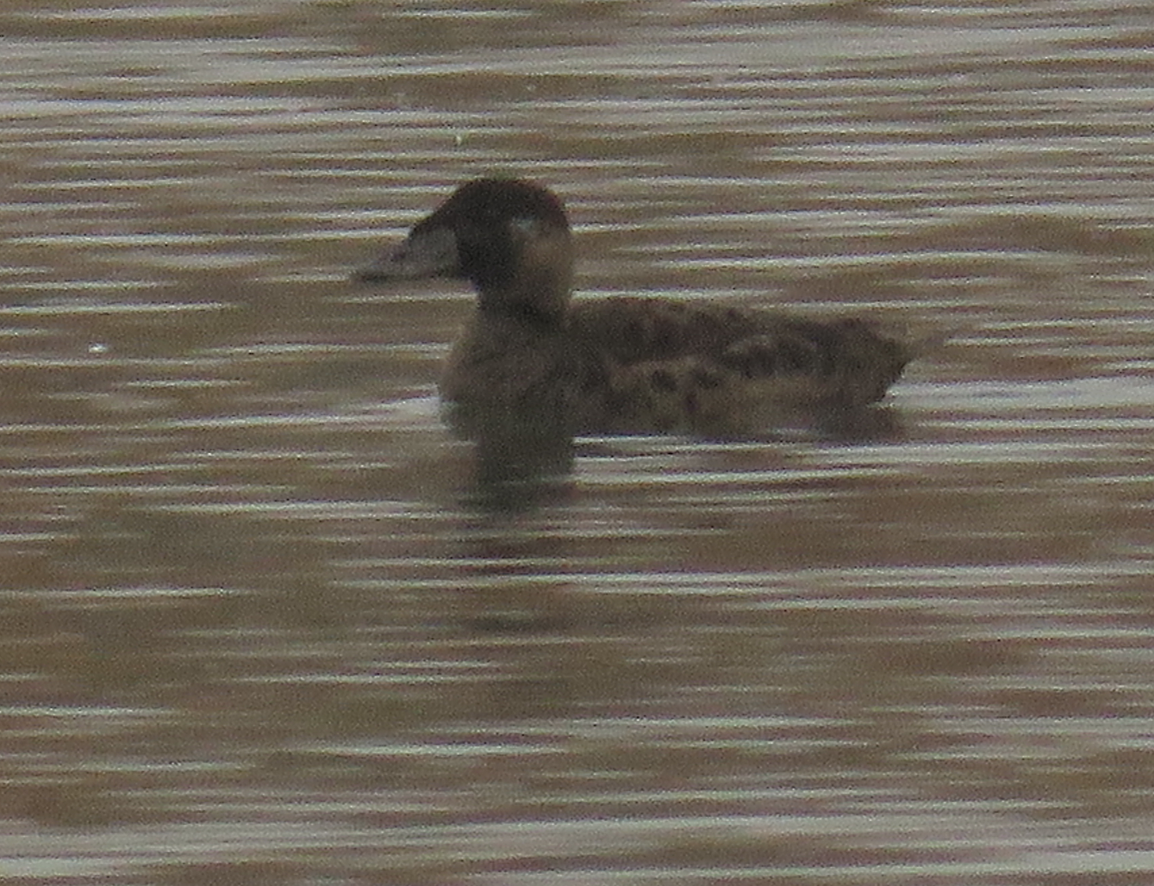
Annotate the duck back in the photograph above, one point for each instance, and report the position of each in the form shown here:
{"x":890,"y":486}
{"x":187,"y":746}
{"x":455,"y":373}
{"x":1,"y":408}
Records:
{"x":643,"y":365}
{"x":715,"y":368}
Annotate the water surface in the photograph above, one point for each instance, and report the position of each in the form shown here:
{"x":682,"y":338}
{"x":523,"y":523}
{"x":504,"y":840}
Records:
{"x":264,"y":620}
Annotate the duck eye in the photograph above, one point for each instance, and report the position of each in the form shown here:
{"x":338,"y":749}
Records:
{"x":525,"y":225}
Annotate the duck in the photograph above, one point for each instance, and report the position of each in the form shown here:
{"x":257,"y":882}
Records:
{"x":531,"y":353}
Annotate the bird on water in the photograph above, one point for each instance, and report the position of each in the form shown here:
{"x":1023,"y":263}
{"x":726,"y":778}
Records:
{"x":627,"y":364}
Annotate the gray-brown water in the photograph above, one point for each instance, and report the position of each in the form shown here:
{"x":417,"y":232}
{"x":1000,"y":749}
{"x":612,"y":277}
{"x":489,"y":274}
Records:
{"x":264,"y":620}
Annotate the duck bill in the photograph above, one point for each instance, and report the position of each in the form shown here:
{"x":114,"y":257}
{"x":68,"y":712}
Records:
{"x":429,"y":253}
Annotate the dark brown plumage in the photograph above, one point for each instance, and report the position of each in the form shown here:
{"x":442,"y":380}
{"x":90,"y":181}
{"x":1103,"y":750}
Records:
{"x":622,"y":365}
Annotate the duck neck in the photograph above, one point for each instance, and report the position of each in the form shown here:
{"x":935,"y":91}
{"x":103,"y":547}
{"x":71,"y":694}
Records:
{"x":537,"y":303}
{"x":533,"y":287}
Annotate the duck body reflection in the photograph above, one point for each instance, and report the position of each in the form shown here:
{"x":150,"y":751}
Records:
{"x":531,"y":357}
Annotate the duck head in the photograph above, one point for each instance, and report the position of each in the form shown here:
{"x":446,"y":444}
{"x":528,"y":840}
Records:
{"x":508,"y":237}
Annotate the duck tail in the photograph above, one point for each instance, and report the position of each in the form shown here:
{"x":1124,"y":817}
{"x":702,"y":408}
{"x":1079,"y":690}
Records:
{"x":918,"y":340}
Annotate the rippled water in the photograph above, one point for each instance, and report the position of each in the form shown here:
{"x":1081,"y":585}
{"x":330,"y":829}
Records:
{"x":266,"y":621}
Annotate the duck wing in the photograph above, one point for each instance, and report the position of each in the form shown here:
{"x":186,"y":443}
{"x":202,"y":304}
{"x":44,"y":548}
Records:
{"x":850,"y":359}
{"x":636,"y":329}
